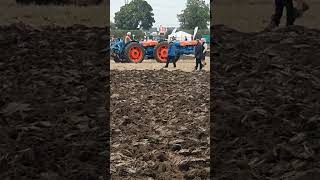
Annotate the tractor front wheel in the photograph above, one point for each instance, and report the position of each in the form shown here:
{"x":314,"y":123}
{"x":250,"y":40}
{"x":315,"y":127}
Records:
{"x":134,"y":52}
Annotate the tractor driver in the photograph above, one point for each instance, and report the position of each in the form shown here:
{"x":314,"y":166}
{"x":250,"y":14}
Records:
{"x":128,"y":37}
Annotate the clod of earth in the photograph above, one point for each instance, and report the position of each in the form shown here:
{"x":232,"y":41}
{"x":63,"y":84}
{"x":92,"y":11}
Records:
{"x":159,"y":124}
{"x":52,"y":103}
{"x":265,"y":104}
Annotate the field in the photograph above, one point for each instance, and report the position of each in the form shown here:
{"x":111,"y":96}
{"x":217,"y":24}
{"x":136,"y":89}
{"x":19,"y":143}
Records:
{"x":265,"y":96}
{"x":184,"y":64}
{"x":54,"y":110}
{"x":159,"y":121}
{"x":254,"y":15}
{"x":52,"y":103}
{"x":160,"y":124}
{"x":35,"y":15}
{"x":265,"y":104}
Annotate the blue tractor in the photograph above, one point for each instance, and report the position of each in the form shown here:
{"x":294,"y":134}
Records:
{"x":136,"y":52}
{"x":133,"y":51}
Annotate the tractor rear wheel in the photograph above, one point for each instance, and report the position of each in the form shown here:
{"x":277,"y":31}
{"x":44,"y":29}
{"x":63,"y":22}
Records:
{"x":134,"y":52}
{"x":161,"y":52}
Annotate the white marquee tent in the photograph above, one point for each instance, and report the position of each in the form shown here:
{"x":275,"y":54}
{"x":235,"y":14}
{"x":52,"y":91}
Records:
{"x":180,"y":36}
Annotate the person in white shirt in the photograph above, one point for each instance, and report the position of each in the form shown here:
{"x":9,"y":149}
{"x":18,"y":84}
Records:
{"x":128,"y":37}
{"x":145,"y":37}
{"x":205,"y":49}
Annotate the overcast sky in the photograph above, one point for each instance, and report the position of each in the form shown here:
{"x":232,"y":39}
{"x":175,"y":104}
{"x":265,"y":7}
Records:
{"x":165,"y":11}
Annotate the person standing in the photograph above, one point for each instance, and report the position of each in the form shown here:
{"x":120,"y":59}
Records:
{"x":276,"y":17}
{"x":205,"y":49}
{"x":198,"y":54}
{"x":171,"y":55}
{"x":145,"y":37}
{"x":292,"y":12}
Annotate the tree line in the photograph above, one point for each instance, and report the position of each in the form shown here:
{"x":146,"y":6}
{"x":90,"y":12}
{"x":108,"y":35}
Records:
{"x":138,"y":15}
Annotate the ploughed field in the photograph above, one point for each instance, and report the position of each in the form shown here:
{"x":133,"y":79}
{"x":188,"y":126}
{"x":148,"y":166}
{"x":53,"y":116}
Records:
{"x":265,"y":104}
{"x":53,"y":118}
{"x":160,"y":124}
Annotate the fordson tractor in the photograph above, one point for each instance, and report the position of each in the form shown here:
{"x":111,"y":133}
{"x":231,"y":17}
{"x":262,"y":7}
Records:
{"x":136,"y":52}
{"x":133,"y":51}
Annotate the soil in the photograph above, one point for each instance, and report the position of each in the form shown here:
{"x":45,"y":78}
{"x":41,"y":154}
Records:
{"x":265,"y":104}
{"x":255,"y":15}
{"x":186,"y":64}
{"x":160,"y":124}
{"x":53,"y":98}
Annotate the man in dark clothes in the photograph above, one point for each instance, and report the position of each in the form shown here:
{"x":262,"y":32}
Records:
{"x":171,"y":55}
{"x":292,"y":13}
{"x":198,"y":54}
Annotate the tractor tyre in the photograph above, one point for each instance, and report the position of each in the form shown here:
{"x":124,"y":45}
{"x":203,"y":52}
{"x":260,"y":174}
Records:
{"x":134,"y":52}
{"x":161,"y":52}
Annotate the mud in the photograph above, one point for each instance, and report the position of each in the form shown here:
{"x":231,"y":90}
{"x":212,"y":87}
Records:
{"x":160,"y":124}
{"x":187,"y":65}
{"x":266,"y":104}
{"x":61,"y":2}
{"x":53,"y":121}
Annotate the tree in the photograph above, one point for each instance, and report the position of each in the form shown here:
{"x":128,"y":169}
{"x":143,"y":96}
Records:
{"x":112,"y":25}
{"x":130,"y":15}
{"x":197,"y":13}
